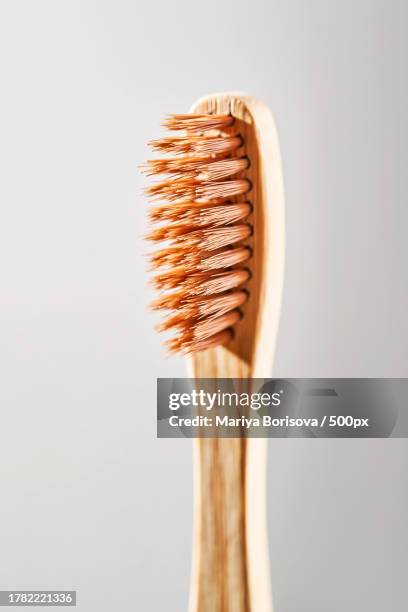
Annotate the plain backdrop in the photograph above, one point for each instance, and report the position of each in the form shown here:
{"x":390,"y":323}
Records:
{"x":89,"y":498}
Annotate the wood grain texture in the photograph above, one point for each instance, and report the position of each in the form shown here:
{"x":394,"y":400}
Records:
{"x":230,"y":559}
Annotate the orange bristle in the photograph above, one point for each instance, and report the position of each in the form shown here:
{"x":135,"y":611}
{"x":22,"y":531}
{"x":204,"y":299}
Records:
{"x":225,"y":259}
{"x":197,"y":214}
{"x":196,"y":168}
{"x":198,"y":123}
{"x":198,"y":145}
{"x":204,"y":220}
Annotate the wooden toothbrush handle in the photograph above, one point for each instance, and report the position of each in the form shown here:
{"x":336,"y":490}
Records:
{"x":230,"y":564}
{"x":231,"y":567}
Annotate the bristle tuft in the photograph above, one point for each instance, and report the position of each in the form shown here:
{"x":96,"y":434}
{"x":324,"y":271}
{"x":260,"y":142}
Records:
{"x":198,"y":123}
{"x":207,"y":146}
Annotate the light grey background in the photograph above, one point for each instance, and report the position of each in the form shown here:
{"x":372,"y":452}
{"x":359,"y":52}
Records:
{"x":89,"y":499}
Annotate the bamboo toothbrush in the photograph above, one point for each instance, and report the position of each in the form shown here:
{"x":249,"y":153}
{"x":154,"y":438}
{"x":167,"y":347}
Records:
{"x":222,"y":215}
